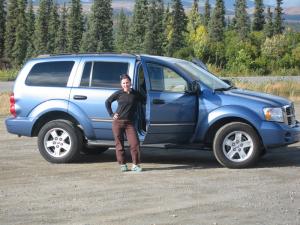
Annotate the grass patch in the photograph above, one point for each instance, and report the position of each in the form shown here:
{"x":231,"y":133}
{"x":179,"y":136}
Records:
{"x":287,"y":89}
{"x":4,"y":104}
{"x":8,"y":75}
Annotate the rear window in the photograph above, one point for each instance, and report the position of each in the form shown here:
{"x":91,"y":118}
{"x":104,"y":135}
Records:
{"x":103,"y":74}
{"x":51,"y":74}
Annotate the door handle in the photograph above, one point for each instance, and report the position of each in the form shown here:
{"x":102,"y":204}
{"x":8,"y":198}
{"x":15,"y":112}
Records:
{"x":158,"y":101}
{"x":80,"y":97}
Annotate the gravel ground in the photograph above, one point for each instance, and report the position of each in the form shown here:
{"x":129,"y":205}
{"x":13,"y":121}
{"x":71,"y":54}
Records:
{"x":183,"y":187}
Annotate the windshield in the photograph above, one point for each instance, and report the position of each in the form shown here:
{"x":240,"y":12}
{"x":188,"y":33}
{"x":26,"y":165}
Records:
{"x":197,"y":73}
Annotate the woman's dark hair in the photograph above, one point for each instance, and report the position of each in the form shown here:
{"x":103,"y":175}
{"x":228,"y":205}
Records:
{"x":125,"y":76}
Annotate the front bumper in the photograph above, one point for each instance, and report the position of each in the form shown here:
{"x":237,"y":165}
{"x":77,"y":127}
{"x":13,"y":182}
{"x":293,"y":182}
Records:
{"x":278,"y":134}
{"x":19,"y":125}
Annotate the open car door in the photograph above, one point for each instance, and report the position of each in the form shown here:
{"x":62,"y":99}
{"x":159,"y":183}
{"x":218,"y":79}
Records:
{"x":171,"y":112}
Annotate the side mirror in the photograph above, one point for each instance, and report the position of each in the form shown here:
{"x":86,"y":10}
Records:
{"x":228,"y":82}
{"x":194,"y":88}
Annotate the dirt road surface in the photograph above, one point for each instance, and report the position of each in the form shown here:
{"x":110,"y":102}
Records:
{"x":183,"y":187}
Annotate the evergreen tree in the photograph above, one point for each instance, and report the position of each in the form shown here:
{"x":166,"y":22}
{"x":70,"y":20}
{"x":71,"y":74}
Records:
{"x":268,"y":28}
{"x":30,"y":19}
{"x":278,"y":20}
{"x":20,"y":46}
{"x":89,"y":44}
{"x":242,"y":24}
{"x":122,"y":32}
{"x":162,"y":26}
{"x":167,"y":24}
{"x":194,"y":22}
{"x":194,"y":17}
{"x":41,"y":28}
{"x":61,"y":40}
{"x":99,"y":34}
{"x":206,"y":17}
{"x":53,"y":28}
{"x":228,"y":23}
{"x":139,"y":25}
{"x":2,"y":26}
{"x":10,"y":28}
{"x":75,"y":27}
{"x":217,"y":22}
{"x":197,"y":36}
{"x":259,"y":18}
{"x":154,"y":33}
{"x":179,"y":23}
{"x":106,"y":28}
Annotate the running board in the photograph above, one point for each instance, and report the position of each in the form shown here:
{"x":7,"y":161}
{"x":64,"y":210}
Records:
{"x":101,"y":143}
{"x":112,"y":144}
{"x":164,"y":146}
{"x":188,"y":146}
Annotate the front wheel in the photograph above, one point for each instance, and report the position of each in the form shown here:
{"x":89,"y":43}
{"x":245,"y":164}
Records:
{"x":60,"y":141}
{"x":237,"y":145}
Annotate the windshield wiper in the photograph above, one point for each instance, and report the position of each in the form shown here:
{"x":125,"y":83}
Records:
{"x":225,"y":89}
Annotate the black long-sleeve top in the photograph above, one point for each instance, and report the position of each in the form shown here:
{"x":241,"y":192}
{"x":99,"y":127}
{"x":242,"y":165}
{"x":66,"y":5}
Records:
{"x":127,"y":103}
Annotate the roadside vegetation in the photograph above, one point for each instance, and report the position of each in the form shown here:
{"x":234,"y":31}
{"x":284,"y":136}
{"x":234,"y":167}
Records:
{"x":4,"y":104}
{"x":287,"y":89}
{"x":8,"y":75}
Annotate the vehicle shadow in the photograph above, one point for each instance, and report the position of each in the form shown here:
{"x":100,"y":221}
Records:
{"x":281,"y":157}
{"x":174,"y":158}
{"x":197,"y":159}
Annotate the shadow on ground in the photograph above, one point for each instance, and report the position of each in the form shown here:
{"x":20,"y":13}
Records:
{"x":197,"y":159}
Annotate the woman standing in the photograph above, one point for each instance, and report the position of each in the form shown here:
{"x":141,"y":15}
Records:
{"x":123,"y":118}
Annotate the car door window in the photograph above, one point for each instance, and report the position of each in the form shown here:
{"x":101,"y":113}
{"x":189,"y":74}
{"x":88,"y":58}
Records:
{"x":163,"y":78}
{"x":103,"y":74}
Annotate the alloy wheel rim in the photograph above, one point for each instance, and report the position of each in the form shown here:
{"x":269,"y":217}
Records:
{"x":238,"y":146}
{"x":57,"y":142}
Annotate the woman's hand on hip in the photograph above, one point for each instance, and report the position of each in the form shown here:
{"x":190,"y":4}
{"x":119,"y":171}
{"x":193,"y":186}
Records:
{"x":116,"y":116}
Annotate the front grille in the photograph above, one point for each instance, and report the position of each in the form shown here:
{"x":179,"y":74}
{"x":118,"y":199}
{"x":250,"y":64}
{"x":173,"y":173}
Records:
{"x":290,"y":118}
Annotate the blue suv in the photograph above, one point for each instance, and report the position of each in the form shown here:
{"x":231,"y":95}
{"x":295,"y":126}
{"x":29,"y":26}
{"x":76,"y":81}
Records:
{"x":61,"y":100}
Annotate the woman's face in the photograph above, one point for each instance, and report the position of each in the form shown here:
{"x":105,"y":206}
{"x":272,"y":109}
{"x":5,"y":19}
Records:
{"x":126,"y":84}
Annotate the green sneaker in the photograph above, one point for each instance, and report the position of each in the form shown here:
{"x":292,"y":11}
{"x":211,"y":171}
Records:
{"x":124,"y":168}
{"x":136,"y":168}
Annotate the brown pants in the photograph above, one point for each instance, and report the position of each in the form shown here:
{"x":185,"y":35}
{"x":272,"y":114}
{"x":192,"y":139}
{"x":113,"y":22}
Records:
{"x":119,"y":127}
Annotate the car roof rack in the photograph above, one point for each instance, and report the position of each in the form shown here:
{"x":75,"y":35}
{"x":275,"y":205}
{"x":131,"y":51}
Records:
{"x":85,"y":53}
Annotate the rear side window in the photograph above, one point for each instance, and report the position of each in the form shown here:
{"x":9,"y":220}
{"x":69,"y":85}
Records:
{"x":51,"y":74}
{"x":103,"y":74}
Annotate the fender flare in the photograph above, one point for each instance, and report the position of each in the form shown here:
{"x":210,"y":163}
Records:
{"x":228,"y":111}
{"x":58,"y":105}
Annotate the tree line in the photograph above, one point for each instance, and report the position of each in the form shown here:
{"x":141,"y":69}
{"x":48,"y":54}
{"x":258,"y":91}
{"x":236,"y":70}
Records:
{"x":233,"y":45}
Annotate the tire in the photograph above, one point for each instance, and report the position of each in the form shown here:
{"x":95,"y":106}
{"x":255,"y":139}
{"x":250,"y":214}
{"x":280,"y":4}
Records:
{"x":60,"y":141}
{"x":237,"y":145}
{"x":93,"y":150}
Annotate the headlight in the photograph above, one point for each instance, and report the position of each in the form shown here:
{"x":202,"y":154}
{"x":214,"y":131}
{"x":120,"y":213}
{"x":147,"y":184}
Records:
{"x":274,"y":114}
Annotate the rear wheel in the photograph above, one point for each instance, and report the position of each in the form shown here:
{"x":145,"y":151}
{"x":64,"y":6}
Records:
{"x":59,"y":141}
{"x":237,"y":145}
